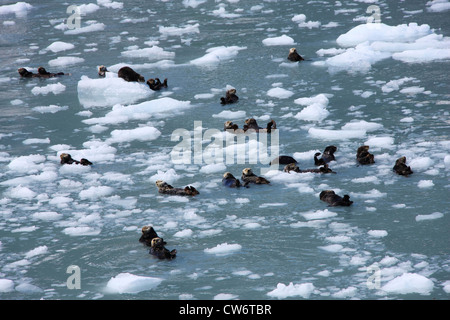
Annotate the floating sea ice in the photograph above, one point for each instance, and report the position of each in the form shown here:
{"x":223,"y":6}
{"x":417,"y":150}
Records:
{"x":432,"y":216}
{"x":55,"y":88}
{"x":110,"y":91}
{"x":225,"y":296}
{"x":65,"y":61}
{"x":280,"y":93}
{"x":283,"y":291}
{"x":328,"y":134}
{"x":58,"y":46}
{"x":139,"y":134}
{"x":362,"y":125}
{"x":20,"y":9}
{"x":377,"y":233}
{"x":110,"y":4}
{"x":6,"y":285}
{"x":438,"y":5}
{"x":409,"y":283}
{"x":216,"y":55}
{"x":175,"y":31}
{"x":152,"y":53}
{"x":93,"y":27}
{"x":380,"y":142}
{"x":130,"y":283}
{"x":394,"y":85}
{"x":315,"y":110}
{"x":282,"y":40}
{"x":223,"y":249}
{"x":425,"y":184}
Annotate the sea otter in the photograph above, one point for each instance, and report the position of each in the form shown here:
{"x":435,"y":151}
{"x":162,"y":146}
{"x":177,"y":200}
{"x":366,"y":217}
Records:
{"x":158,"y":249}
{"x":334,"y":200}
{"x":148,"y":233}
{"x":67,"y":159}
{"x":166,"y":188}
{"x":230,"y":97}
{"x":230,"y":181}
{"x":229,"y":125}
{"x":401,"y":168}
{"x":363,"y":156}
{"x":249,"y":177}
{"x":156,"y":84}
{"x":251,"y":124}
{"x":102,"y":71}
{"x":294,"y":56}
{"x":327,"y":156}
{"x":128,"y":74}
{"x":42,"y":73}
{"x":293,"y":167}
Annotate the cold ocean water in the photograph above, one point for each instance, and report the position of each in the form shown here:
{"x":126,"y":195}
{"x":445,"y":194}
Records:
{"x":377,"y":77}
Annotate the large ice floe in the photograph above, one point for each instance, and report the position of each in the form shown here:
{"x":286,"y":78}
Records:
{"x":369,"y":43}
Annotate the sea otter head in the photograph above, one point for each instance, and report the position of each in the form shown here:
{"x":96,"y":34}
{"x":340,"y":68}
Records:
{"x":23,"y":72}
{"x":292,"y":50}
{"x":231,"y":91}
{"x":160,"y":183}
{"x":157,"y":242}
{"x":401,"y":160}
{"x":102,"y":70}
{"x":251,"y":122}
{"x":247,"y":172}
{"x":141,"y":79}
{"x":228,"y":175}
{"x":41,"y":70}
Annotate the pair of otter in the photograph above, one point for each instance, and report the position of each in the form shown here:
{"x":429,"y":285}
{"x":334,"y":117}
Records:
{"x":165,"y":188}
{"x":293,"y":167}
{"x":327,"y":156}
{"x":128,"y":74}
{"x":42,"y":73}
{"x":157,"y":244}
{"x":363,"y":156}
{"x":247,"y":177}
{"x":67,"y":159}
{"x":250,"y":124}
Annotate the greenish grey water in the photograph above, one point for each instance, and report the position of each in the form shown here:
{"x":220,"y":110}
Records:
{"x":281,"y":242}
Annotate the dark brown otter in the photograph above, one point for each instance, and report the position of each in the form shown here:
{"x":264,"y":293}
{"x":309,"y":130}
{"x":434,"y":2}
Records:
{"x":334,"y":200}
{"x":401,"y":168}
{"x":251,"y":124}
{"x":249,"y":177}
{"x":158,"y":249}
{"x":148,"y":233}
{"x":230,"y":97}
{"x":293,"y":167}
{"x":42,"y":73}
{"x":102,"y":71}
{"x":327,"y":156}
{"x":166,"y":188}
{"x":294,"y":56}
{"x":283,"y":160}
{"x":156,"y":84}
{"x":128,"y":74}
{"x":363,"y":156}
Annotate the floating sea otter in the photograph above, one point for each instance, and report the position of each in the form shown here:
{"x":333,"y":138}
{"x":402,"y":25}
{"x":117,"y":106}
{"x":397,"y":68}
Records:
{"x":156,"y":84}
{"x":334,"y":200}
{"x":327,"y":156}
{"x":148,"y":233}
{"x":229,"y":125}
{"x":401,"y":168}
{"x":294,"y":56}
{"x":363,"y":156}
{"x":230,"y":181}
{"x":251,"y":124}
{"x":42,"y":73}
{"x":293,"y":167}
{"x":159,"y":250}
{"x":166,"y":188}
{"x":230,"y":97}
{"x":67,"y":159}
{"x":128,"y":74}
{"x":249,"y":177}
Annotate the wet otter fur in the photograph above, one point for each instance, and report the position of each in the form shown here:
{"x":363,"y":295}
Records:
{"x":401,"y":168}
{"x":283,"y":160}
{"x":294,"y":56}
{"x":230,"y":97}
{"x":148,"y":233}
{"x":128,"y":74}
{"x":102,"y":71}
{"x":156,"y":84}
{"x":42,"y":73}
{"x":230,"y":181}
{"x":249,"y":177}
{"x":166,"y":188}
{"x":334,"y":200}
{"x":251,"y":124}
{"x":363,"y":156}
{"x":67,"y":159}
{"x":327,"y":156}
